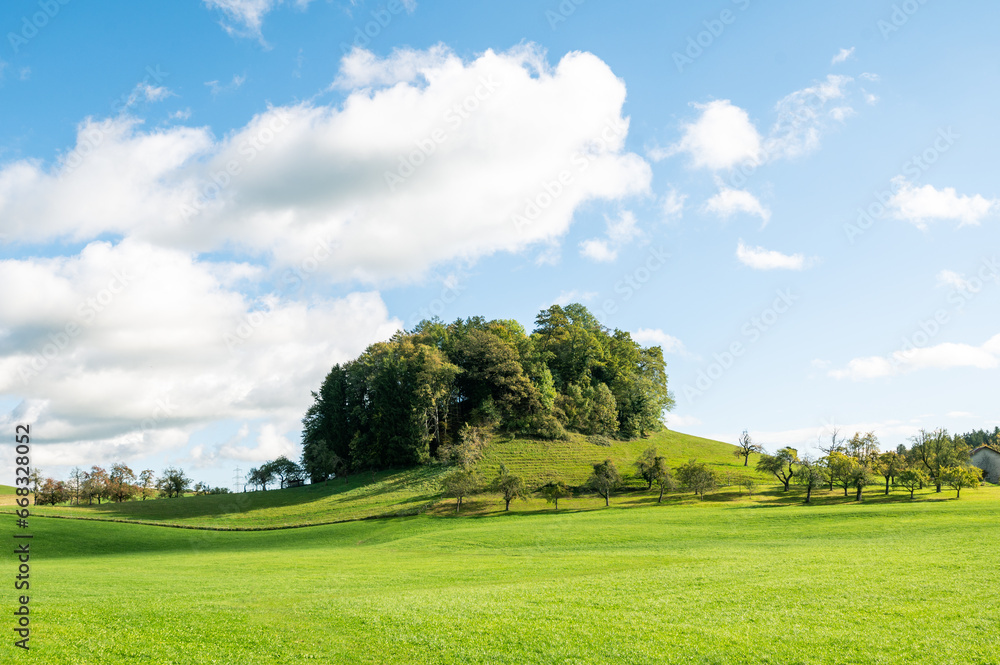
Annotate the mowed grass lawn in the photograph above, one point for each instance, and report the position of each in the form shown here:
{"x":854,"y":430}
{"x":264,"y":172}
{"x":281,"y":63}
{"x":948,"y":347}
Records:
{"x":702,"y":582}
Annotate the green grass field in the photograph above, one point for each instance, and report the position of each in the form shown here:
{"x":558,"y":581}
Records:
{"x":702,"y":582}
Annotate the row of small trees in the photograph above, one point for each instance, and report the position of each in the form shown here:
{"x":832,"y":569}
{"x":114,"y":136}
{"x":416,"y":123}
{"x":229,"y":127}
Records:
{"x":934,"y":459}
{"x":605,"y":479}
{"x":119,"y":483}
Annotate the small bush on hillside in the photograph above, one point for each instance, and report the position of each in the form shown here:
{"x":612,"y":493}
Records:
{"x":599,"y":440}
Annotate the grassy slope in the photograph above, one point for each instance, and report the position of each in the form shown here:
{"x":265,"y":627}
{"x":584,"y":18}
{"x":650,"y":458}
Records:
{"x":410,"y":491}
{"x":572,"y":461}
{"x":699,"y":583}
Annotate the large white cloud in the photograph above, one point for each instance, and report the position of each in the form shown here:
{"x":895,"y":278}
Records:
{"x":947,"y":355}
{"x":920,"y":205}
{"x":126,"y":349}
{"x":442,"y":159}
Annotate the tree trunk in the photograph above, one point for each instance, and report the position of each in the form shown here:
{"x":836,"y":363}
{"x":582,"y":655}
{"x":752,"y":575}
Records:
{"x":938,"y":486}
{"x":507,"y":507}
{"x":607,"y":500}
{"x":746,"y":460}
{"x":845,"y":490}
{"x":557,"y":503}
{"x":660,"y":500}
{"x":911,"y":495}
{"x":458,"y":504}
{"x":887,"y":485}
{"x":859,"y":493}
{"x":786,"y":485}
{"x":809,"y":491}
{"x":958,"y":492}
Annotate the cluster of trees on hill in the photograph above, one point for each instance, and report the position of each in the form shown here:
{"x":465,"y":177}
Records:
{"x":282,"y":470}
{"x":933,"y":459}
{"x":119,"y":483}
{"x":431,"y":391}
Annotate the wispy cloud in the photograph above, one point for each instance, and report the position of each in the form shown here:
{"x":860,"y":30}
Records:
{"x":729,"y":202}
{"x":842,"y":56}
{"x":759,"y":258}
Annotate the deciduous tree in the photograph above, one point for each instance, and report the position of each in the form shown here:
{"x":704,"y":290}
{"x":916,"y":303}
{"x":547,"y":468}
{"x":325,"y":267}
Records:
{"x":120,"y":482}
{"x":460,"y":484}
{"x":604,"y":480}
{"x":959,"y":477}
{"x":554,"y":491}
{"x":810,"y":475}
{"x":173,"y":482}
{"x":781,"y":465}
{"x":509,"y":486}
{"x":913,"y":479}
{"x":746,"y":447}
{"x":697,"y":477}
{"x":890,"y":465}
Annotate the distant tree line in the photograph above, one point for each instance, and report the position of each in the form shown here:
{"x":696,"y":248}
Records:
{"x":432,"y":392}
{"x":981,"y":437}
{"x":119,"y":483}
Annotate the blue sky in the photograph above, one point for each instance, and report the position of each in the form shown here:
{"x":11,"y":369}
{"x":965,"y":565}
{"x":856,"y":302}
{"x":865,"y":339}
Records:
{"x":204,"y":205}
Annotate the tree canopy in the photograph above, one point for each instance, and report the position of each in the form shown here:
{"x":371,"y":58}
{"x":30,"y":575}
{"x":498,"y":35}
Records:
{"x":414,"y":397}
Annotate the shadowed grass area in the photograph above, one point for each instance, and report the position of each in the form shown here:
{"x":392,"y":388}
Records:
{"x":392,"y":493}
{"x":687,"y":582}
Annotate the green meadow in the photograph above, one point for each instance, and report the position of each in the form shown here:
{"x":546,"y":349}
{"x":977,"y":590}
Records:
{"x":727,"y":579}
{"x":699,"y":582}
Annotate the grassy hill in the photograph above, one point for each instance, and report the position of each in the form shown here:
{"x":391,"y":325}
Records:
{"x":415,"y":490}
{"x":705,"y":582}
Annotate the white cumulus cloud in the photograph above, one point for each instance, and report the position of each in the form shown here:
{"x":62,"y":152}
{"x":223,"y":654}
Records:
{"x":494,"y":154}
{"x":722,"y":137}
{"x":921,"y":205}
